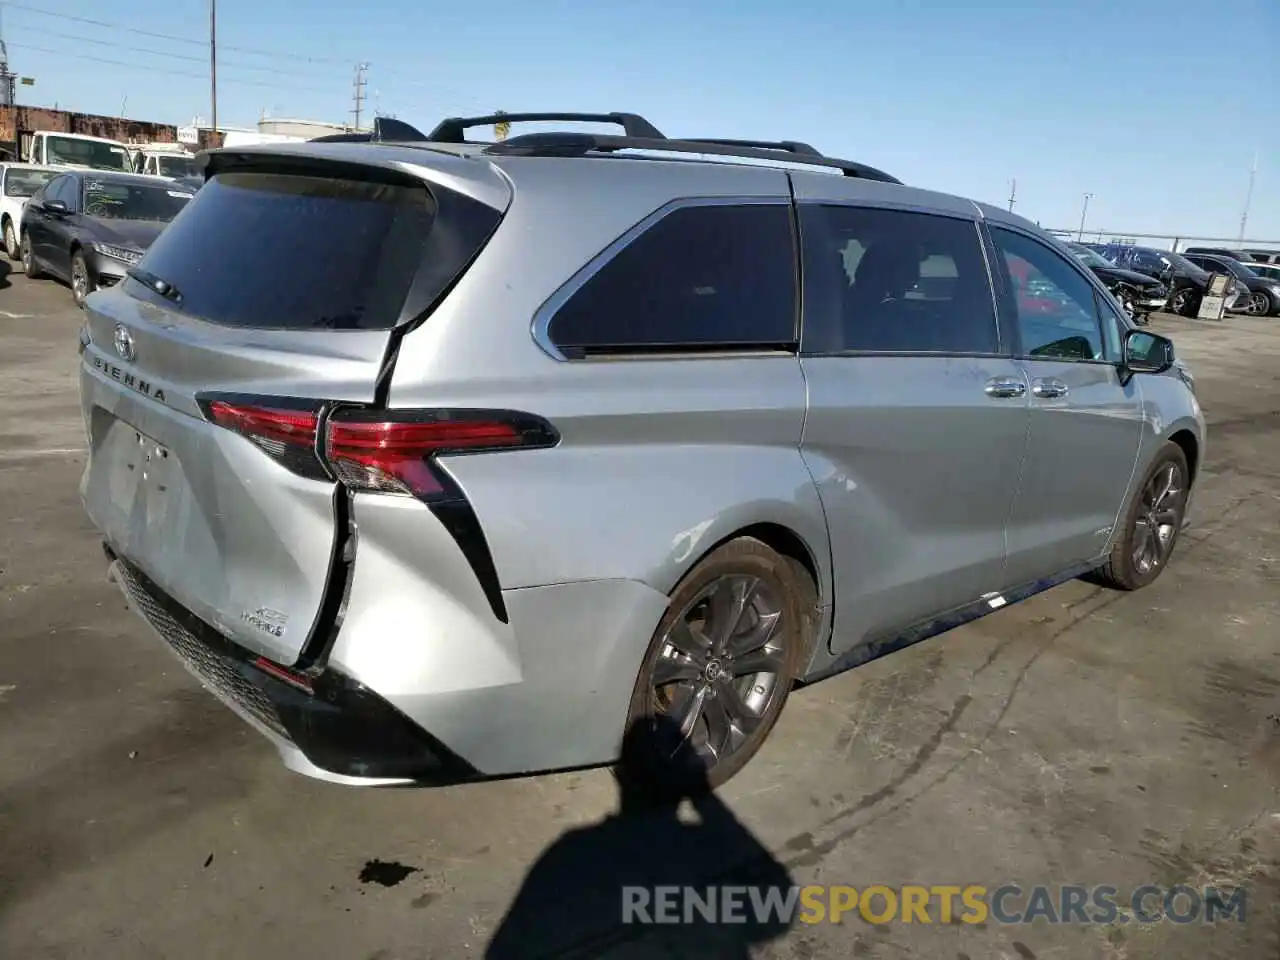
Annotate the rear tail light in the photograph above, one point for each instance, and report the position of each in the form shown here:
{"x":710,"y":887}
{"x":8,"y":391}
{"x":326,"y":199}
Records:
{"x":394,"y":456}
{"x":287,"y":435}
{"x":384,"y":451}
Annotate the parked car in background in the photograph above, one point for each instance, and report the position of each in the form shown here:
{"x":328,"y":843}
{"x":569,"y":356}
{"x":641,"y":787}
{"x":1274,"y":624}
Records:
{"x":1263,"y":256}
{"x":1216,"y":252}
{"x":88,"y":228}
{"x":190,"y":183}
{"x":395,"y":502}
{"x":18,"y":181}
{"x":1187,"y":282}
{"x":1269,"y":271}
{"x":1264,"y":292}
{"x":1138,"y":293}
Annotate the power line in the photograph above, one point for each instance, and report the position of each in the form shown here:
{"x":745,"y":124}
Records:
{"x":150,"y":69}
{"x":167,"y":36}
{"x":203,"y":42}
{"x":190,"y":58}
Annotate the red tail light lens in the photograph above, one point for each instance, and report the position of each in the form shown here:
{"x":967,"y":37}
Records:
{"x":380,"y":451}
{"x":288,"y":436}
{"x":394,"y":456}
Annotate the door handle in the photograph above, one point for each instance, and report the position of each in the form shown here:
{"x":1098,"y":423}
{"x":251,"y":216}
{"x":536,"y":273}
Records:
{"x":1005,"y":387}
{"x":1049,"y":389}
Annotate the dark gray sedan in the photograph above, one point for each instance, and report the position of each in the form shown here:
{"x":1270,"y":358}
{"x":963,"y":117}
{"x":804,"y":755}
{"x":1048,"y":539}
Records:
{"x":88,"y":227}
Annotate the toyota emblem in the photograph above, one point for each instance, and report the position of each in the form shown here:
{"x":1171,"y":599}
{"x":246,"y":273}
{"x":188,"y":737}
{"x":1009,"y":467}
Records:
{"x":123,"y":340}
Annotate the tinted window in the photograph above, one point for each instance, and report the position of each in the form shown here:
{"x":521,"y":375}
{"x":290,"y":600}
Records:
{"x":274,"y":250}
{"x":892,"y":281}
{"x":702,"y":276}
{"x":1054,"y":303}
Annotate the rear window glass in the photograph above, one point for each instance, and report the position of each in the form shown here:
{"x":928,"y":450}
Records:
{"x":274,"y":250}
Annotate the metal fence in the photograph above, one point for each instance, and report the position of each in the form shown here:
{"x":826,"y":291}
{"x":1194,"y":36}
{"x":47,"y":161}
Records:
{"x":1169,"y":241}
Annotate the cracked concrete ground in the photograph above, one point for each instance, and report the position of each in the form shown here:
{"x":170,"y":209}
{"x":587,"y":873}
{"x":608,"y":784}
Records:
{"x":1080,"y":737}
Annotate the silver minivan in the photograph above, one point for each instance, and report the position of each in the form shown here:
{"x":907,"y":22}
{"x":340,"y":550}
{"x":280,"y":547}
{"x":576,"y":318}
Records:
{"x":577,"y":436}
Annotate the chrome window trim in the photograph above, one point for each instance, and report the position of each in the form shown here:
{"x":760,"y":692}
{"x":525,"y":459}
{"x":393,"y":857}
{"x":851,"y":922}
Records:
{"x":541,"y":324}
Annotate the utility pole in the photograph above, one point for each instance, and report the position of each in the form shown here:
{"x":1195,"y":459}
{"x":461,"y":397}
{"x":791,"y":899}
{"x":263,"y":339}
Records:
{"x":213,"y":67}
{"x":358,"y":92}
{"x":1248,"y":197}
{"x":1083,"y":213}
{"x":1013,"y":192}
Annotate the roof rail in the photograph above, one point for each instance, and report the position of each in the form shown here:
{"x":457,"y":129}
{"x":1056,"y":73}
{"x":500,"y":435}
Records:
{"x":791,"y":146}
{"x":452,"y":129}
{"x":582,"y":144}
{"x":384,"y":129}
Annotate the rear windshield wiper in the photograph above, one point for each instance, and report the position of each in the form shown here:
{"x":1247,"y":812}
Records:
{"x":154,"y":283}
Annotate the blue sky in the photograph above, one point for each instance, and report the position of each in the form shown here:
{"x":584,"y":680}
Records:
{"x":1156,"y":108}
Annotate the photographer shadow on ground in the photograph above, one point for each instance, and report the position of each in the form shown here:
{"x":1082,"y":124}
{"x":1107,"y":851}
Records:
{"x":597,"y":891}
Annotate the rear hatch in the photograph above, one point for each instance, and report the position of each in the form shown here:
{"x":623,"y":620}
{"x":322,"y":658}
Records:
{"x":279,"y":293}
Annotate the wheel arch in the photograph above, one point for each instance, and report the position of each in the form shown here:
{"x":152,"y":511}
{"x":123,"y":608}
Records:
{"x":1190,"y":446}
{"x":789,"y":544}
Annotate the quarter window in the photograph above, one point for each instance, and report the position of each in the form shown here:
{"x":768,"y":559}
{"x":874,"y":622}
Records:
{"x":1054,"y":304}
{"x":892,"y":281}
{"x":701,"y":277}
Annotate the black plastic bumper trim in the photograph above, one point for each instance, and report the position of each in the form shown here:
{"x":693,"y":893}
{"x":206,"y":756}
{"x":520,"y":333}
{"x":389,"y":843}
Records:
{"x":342,"y":727}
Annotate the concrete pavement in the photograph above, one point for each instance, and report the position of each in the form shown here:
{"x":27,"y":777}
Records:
{"x":1080,"y":737}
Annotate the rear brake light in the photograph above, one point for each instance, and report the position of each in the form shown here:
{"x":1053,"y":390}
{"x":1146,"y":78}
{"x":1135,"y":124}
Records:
{"x":378,"y":451}
{"x":286,"y":435}
{"x":388,"y":453}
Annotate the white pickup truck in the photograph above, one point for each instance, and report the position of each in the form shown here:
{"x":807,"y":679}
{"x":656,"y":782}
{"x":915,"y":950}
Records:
{"x":48,"y":148}
{"x":163,"y":160}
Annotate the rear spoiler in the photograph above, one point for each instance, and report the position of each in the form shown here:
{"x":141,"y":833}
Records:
{"x":385,"y":129}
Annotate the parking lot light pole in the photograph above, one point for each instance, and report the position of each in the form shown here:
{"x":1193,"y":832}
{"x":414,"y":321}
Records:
{"x":1084,"y":213}
{"x":213,"y":67}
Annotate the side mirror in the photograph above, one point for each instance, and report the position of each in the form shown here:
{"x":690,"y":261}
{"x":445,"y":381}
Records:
{"x":56,"y":207}
{"x":1146,"y":352}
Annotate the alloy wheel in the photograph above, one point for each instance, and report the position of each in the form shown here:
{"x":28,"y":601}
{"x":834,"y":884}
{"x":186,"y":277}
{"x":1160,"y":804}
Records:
{"x":1259,"y":305}
{"x":11,"y":242}
{"x":721,"y":668}
{"x":1181,"y":300}
{"x":26,"y":255}
{"x":1159,"y":517}
{"x":79,"y":280}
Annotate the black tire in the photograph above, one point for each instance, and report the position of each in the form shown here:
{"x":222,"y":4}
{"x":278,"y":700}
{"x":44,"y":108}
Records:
{"x":11,"y":241}
{"x":29,"y":266}
{"x":659,"y":762}
{"x":1185,"y":302}
{"x":1123,"y":569}
{"x":1265,"y":304}
{"x":81,"y":279}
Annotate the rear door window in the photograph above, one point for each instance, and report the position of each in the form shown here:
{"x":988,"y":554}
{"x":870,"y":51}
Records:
{"x":274,"y":250}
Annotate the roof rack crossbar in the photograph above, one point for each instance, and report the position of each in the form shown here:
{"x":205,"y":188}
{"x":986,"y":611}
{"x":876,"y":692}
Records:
{"x":581,"y":144}
{"x":790,"y":146}
{"x":453,"y":129}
